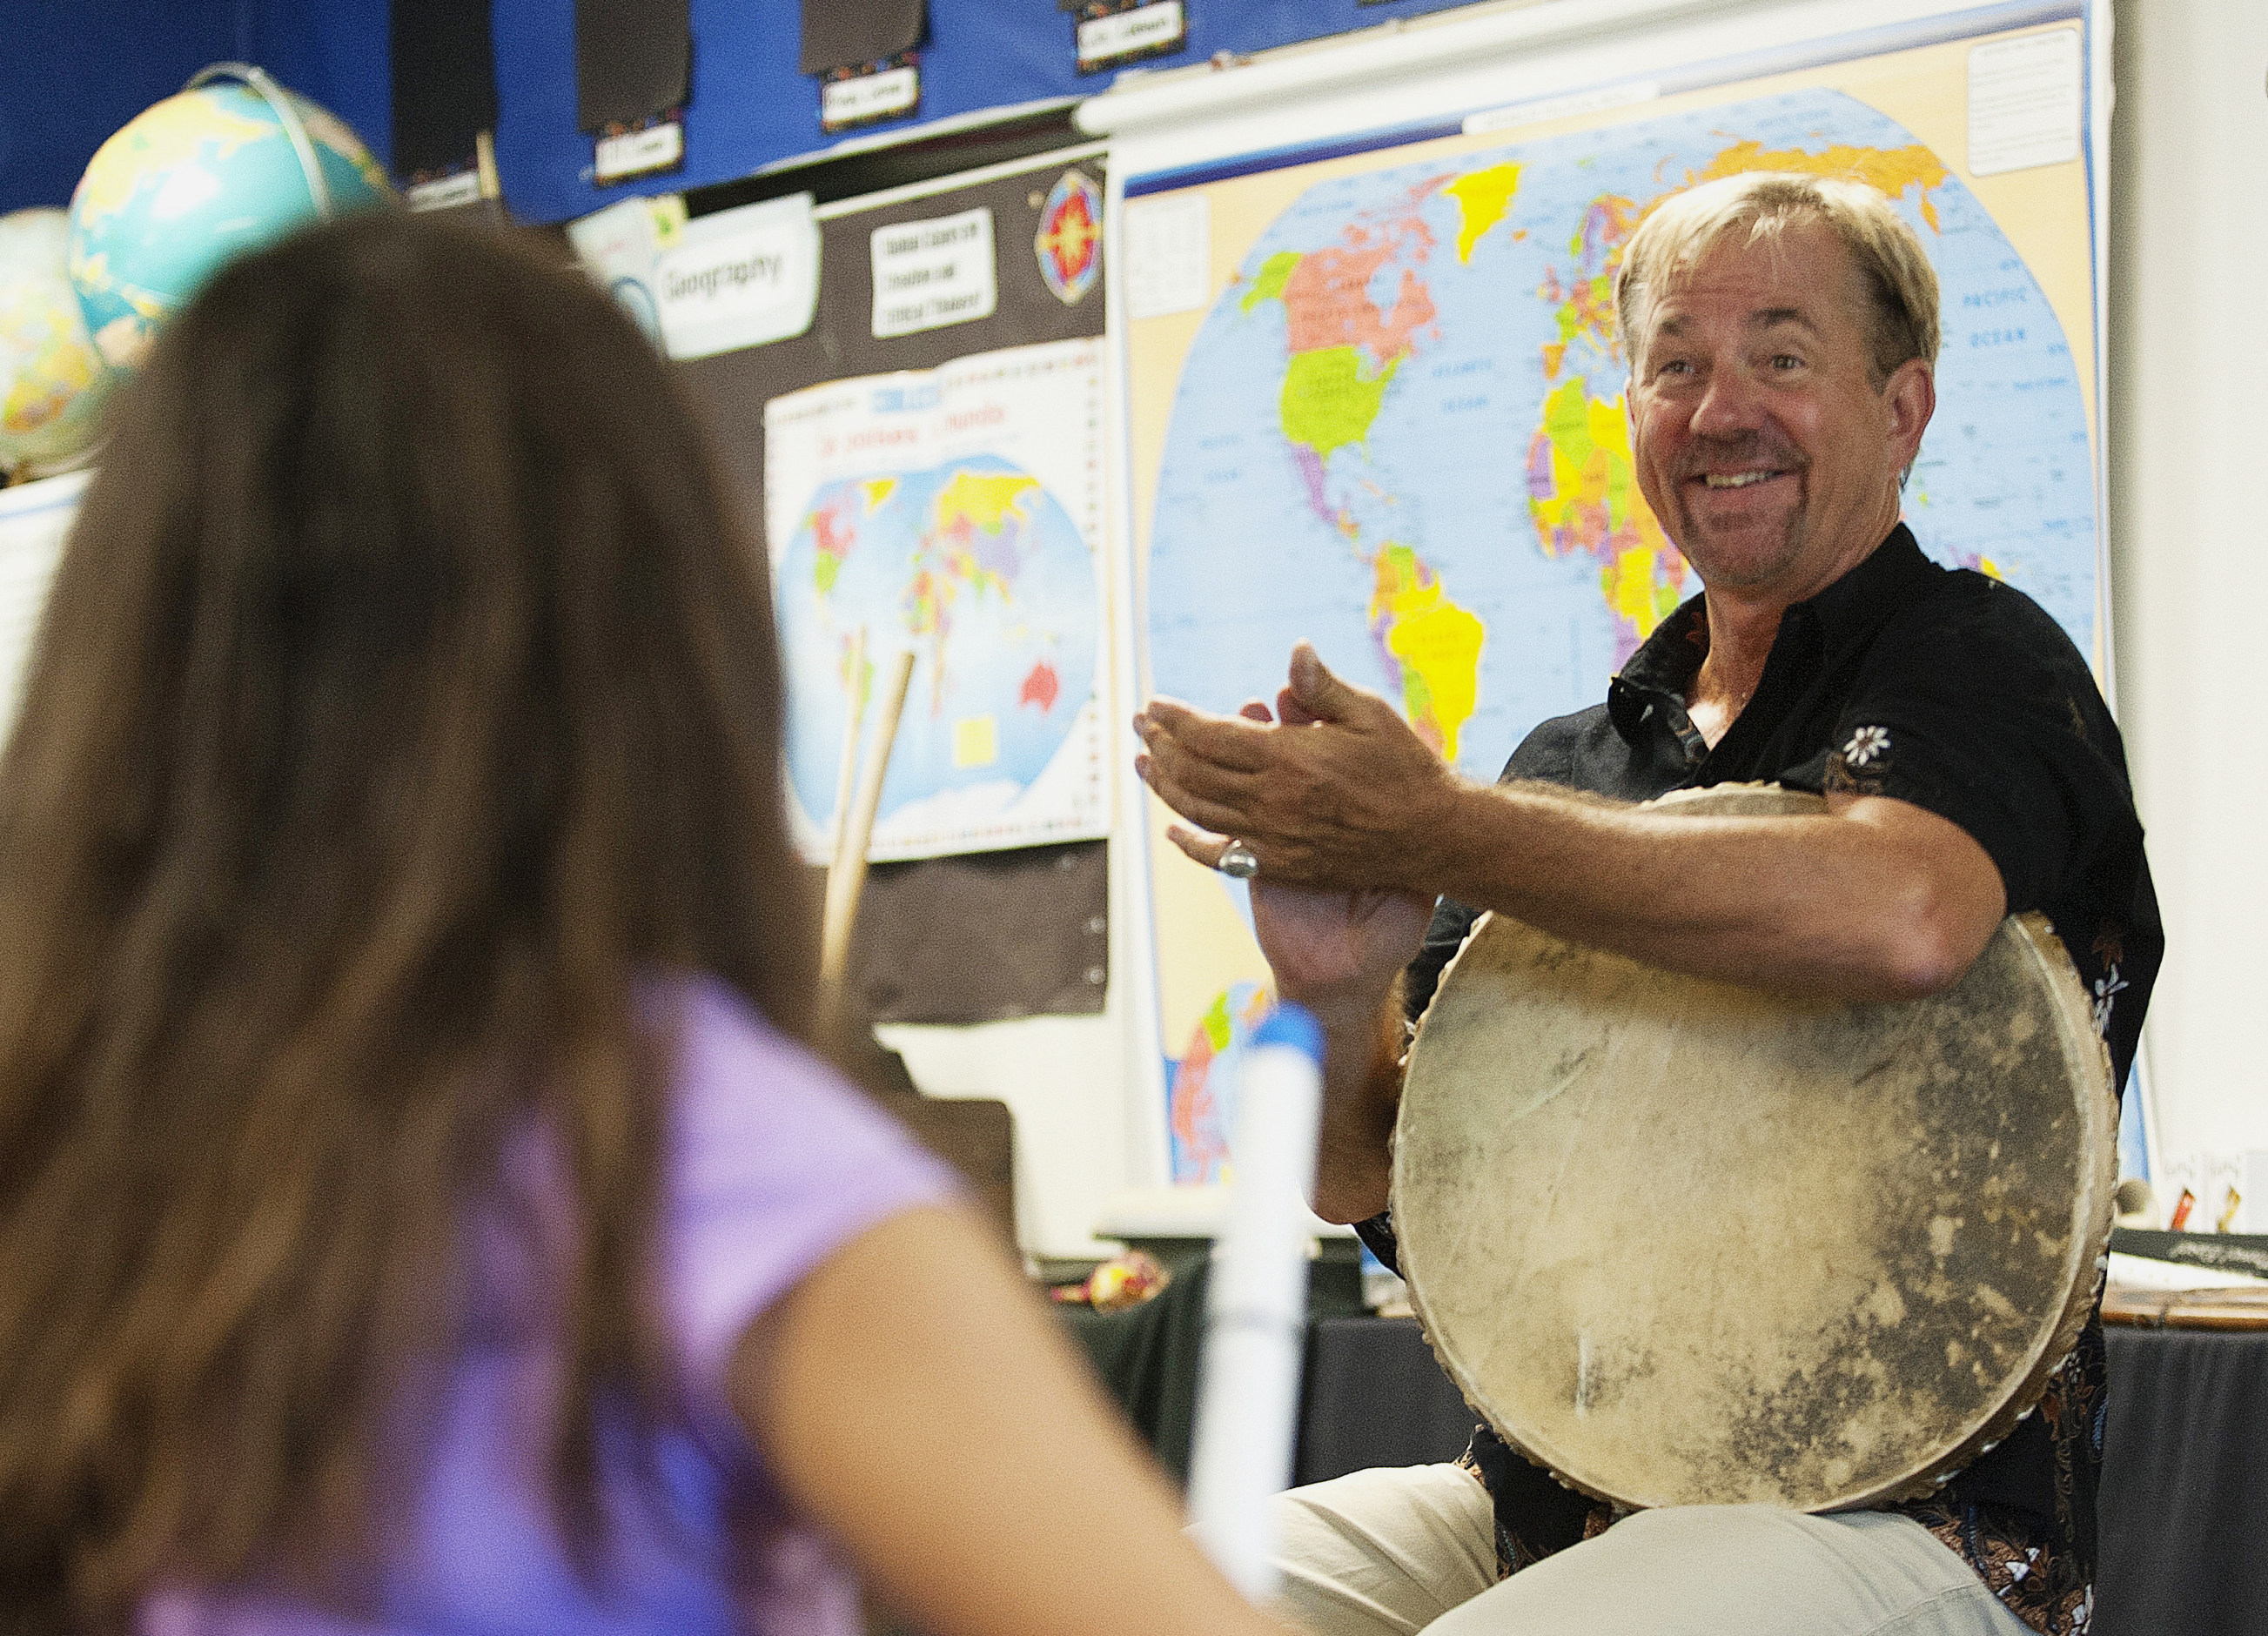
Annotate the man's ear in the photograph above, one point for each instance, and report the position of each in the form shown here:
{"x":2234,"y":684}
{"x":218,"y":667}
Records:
{"x":1911,"y":395}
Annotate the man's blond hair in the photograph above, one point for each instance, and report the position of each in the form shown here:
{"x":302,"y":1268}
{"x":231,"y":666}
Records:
{"x":1900,"y":288}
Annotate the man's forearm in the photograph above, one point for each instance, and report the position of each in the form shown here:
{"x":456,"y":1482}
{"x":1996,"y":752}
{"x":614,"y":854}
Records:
{"x":1873,"y":900}
{"x":1362,"y":1089}
{"x":1878,"y":900}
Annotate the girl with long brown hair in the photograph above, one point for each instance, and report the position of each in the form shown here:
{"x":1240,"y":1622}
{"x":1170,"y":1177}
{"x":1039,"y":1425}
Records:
{"x":417,"y":1209}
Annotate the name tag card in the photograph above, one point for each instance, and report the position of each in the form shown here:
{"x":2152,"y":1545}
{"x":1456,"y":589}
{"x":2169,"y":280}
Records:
{"x":888,"y":91}
{"x":444,"y":193}
{"x":1111,"y":33}
{"x":927,"y":275}
{"x":642,"y":152}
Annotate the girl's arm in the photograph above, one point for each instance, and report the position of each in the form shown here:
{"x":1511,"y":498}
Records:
{"x":912,"y":1397}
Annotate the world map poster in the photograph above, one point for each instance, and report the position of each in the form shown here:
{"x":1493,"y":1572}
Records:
{"x":954,"y":513}
{"x":1397,"y":427}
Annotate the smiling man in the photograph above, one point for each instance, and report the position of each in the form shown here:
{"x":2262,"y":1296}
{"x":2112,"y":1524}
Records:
{"x":1782,"y":333}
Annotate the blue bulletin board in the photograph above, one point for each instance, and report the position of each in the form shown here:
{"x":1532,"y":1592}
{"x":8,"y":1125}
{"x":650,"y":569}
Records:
{"x":751,"y":107}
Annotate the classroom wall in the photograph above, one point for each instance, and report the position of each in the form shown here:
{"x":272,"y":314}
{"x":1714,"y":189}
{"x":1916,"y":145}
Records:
{"x":72,"y":71}
{"x":60,"y":93}
{"x":2188,"y":426}
{"x":2184,"y":424}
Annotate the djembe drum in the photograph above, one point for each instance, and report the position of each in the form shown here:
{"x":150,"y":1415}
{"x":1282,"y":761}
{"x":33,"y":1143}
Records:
{"x":1683,"y":1242}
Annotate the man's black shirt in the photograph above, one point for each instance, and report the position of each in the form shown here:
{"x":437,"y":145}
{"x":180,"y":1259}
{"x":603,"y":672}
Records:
{"x":1947,"y":689}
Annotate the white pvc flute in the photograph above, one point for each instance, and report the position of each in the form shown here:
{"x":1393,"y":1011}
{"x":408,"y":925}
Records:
{"x":1255,"y":1309}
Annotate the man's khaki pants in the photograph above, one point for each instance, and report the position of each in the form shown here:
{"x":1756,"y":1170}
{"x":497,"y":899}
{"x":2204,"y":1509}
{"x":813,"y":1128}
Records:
{"x":1413,"y":1549}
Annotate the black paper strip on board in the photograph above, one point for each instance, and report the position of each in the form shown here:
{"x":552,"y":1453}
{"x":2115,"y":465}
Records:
{"x":848,"y":33}
{"x":443,"y":86}
{"x":633,"y":58}
{"x":985,"y":937}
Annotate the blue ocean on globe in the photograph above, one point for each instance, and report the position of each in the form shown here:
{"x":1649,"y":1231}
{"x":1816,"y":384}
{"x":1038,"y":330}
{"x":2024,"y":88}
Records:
{"x":981,"y":572}
{"x":1275,"y":521}
{"x":186,"y":186}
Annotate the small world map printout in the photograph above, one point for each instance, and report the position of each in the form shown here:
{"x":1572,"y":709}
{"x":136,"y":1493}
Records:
{"x":955,"y":512}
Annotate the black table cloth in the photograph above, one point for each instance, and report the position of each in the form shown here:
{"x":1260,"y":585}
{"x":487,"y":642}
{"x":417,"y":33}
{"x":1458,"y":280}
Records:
{"x":2184,"y":1500}
{"x":2185,"y":1485}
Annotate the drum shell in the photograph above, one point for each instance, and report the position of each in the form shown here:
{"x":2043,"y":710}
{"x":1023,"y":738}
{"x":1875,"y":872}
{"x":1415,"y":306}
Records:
{"x":1685,"y":1242}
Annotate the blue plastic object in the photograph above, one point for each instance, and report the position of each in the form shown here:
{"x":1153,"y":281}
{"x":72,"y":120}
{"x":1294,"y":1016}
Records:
{"x":1295,"y":1025}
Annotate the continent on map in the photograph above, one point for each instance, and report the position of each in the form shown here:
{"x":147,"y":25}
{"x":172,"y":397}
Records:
{"x":1433,"y":644}
{"x":834,"y":524}
{"x":973,"y":545}
{"x":1483,"y":197}
{"x":1582,"y":489}
{"x":1343,"y":347}
{"x":1581,"y":482}
{"x":1890,"y":170}
{"x":1041,"y":687}
{"x":1201,"y":1106}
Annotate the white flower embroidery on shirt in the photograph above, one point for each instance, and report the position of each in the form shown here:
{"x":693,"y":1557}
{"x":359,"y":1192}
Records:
{"x":1866,"y":745}
{"x":2107,"y":988}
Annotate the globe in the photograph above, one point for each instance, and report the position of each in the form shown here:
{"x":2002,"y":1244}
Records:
{"x":187,"y":186}
{"x":51,"y":378}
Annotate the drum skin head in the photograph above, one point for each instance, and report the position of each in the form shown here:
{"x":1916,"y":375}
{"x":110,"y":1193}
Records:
{"x":1683,"y":1242}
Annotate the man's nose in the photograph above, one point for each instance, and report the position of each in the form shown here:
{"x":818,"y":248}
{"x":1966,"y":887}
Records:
{"x":1729,"y":402}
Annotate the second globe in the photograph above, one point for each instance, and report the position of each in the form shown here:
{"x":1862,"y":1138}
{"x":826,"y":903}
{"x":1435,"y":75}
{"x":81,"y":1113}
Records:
{"x":190,"y":184}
